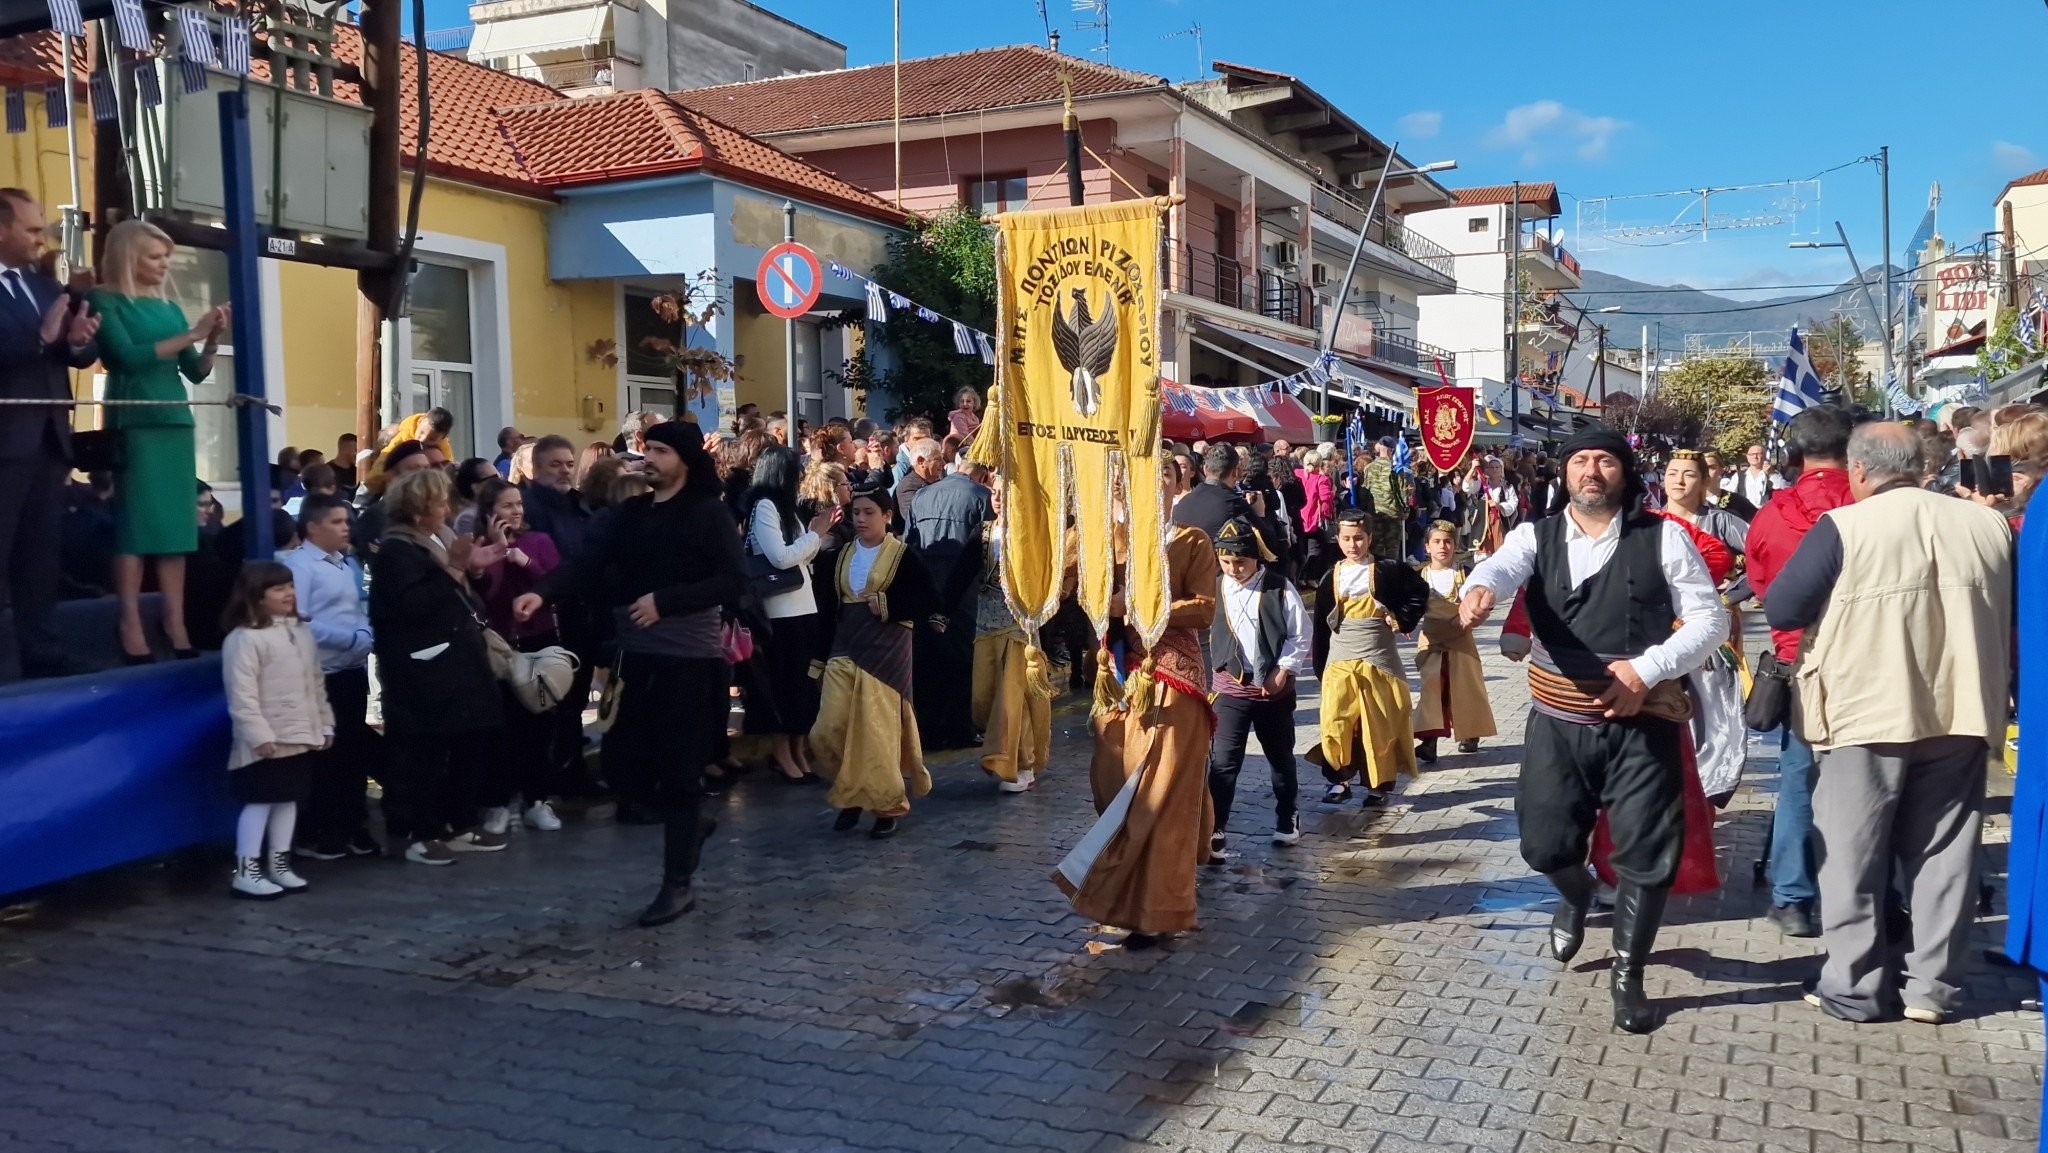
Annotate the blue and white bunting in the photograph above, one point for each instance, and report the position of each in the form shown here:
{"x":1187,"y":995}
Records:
{"x":195,"y":37}
{"x":147,"y":86}
{"x":66,"y":19}
{"x":130,"y":27}
{"x":56,"y":106}
{"x":963,"y":341}
{"x":105,"y":105}
{"x":927,"y":315}
{"x":194,"y":74}
{"x":986,"y":346}
{"x":17,"y":111}
{"x":878,"y":304}
{"x":899,"y":302}
{"x":234,"y":45}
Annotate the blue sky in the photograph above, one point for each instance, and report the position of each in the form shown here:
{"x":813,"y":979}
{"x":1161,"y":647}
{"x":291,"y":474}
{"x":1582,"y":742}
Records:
{"x":1606,"y":97}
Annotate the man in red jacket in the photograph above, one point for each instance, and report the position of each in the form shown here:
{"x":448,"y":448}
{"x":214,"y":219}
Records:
{"x":1817,"y":440}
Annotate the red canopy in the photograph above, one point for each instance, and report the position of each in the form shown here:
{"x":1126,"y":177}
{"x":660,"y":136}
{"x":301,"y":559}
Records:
{"x":1235,"y":414}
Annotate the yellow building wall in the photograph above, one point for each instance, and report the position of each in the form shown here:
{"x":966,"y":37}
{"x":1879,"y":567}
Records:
{"x":35,"y":160}
{"x":760,"y":344}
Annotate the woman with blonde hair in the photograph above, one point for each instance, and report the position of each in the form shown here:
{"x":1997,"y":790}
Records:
{"x":965,"y":418}
{"x":593,"y":452}
{"x":146,"y":344}
{"x":519,"y":469}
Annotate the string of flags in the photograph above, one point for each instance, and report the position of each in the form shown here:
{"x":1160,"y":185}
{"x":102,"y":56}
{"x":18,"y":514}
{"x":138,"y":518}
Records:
{"x":192,"y":42}
{"x":881,"y":301}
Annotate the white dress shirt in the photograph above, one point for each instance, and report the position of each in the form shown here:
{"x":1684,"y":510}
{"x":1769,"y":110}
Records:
{"x":863,"y":563}
{"x":331,"y":602}
{"x":1756,"y":488}
{"x":1703,"y":621}
{"x":1241,"y":610}
{"x":764,"y":538}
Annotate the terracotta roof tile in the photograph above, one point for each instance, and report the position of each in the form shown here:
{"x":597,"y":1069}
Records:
{"x":2030,"y":180}
{"x":645,"y":133}
{"x":33,"y":58}
{"x":1531,"y":194}
{"x":932,"y":86}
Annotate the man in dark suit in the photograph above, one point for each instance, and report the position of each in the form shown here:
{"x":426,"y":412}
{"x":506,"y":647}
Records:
{"x":41,"y":336}
{"x":1216,"y":501}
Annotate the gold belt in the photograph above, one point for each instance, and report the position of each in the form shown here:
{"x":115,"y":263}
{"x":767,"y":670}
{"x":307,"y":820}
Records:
{"x":1667,"y":701}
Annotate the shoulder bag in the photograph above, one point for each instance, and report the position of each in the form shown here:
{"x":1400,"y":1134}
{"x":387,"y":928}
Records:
{"x":764,"y":579}
{"x":539,"y":679}
{"x":1770,"y":692}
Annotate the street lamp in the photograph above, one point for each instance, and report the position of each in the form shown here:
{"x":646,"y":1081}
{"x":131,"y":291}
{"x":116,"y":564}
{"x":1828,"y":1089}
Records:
{"x":1351,"y":269}
{"x":1600,"y":354}
{"x":1862,"y":287}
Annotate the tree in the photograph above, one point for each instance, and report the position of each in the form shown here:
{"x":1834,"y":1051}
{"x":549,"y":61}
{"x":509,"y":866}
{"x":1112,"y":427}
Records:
{"x":1833,"y":345}
{"x":2003,"y":352}
{"x":946,"y":262}
{"x":1723,"y":403}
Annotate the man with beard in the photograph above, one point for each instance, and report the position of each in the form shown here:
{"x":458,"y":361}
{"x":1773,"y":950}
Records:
{"x":1605,"y":583}
{"x":665,"y":565}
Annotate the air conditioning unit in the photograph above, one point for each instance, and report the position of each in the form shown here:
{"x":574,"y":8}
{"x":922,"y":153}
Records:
{"x":1358,"y":180}
{"x":1319,"y":274}
{"x":1287,"y":252}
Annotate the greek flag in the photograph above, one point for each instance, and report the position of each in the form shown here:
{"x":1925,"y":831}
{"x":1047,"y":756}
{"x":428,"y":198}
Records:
{"x":147,"y":86}
{"x":17,"y":110}
{"x":105,"y":107}
{"x":194,"y":74}
{"x":1799,"y":386}
{"x":129,"y":25}
{"x":56,"y":106}
{"x":878,"y":307}
{"x":986,"y":347}
{"x":1404,"y":457}
{"x":67,"y":20}
{"x":234,"y":44}
{"x":2030,"y":328}
{"x":963,"y":341}
{"x":195,"y":38}
{"x":1896,"y":395}
{"x":927,"y":315}
{"x":899,"y":302}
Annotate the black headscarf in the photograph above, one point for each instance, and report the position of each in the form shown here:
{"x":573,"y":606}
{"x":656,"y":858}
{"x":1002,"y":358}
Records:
{"x":1608,"y":439}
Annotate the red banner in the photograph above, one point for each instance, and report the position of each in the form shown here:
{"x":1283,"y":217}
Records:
{"x":1445,"y":414}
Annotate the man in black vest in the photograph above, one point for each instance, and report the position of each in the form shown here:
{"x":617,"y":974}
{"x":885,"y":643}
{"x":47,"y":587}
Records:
{"x":1258,"y":646}
{"x":44,"y":330}
{"x":1605,"y":583}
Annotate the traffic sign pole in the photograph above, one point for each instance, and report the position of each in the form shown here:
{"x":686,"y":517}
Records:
{"x":789,"y":339}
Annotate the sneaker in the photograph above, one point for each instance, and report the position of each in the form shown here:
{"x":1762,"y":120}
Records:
{"x":429,"y":853}
{"x":1794,"y":920}
{"x":1604,"y":895}
{"x":317,"y":853}
{"x":1925,"y":1016}
{"x":279,"y":869}
{"x":1287,"y":832}
{"x":1022,"y":784}
{"x":483,"y":841}
{"x":542,"y":816}
{"x":1217,"y":852}
{"x":250,"y":884}
{"x":497,"y":820}
{"x":1812,"y":999}
{"x":884,"y":828}
{"x":364,"y":845}
{"x":1336,"y":794}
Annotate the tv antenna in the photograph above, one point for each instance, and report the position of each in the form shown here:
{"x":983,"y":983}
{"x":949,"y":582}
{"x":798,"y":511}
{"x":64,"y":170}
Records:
{"x":1045,"y":19}
{"x":1098,"y":18}
{"x":1201,"y":59}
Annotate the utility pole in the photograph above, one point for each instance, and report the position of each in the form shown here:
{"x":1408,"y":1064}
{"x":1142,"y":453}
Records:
{"x":1514,"y":373}
{"x":382,"y":80}
{"x":1643,"y":368}
{"x":1601,"y":329}
{"x":1884,"y":172}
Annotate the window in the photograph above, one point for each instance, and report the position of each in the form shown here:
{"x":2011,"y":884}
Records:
{"x":650,"y":380}
{"x":1477,"y":224}
{"x":199,"y":281}
{"x":747,"y":71}
{"x":1155,"y":186}
{"x":996,"y":193}
{"x":443,"y":372}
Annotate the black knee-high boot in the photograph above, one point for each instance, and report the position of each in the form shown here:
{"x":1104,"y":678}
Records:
{"x":1574,"y":897}
{"x":682,"y":846}
{"x":1637,"y":913}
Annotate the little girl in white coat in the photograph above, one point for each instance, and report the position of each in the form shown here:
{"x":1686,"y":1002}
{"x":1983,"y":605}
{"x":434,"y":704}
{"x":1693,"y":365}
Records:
{"x":277,"y":700}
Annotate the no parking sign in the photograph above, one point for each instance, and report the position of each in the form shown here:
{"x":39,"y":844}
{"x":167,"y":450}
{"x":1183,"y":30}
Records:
{"x":789,"y":280}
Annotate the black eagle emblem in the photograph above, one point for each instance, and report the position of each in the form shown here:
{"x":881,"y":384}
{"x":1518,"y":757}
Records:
{"x":1085,"y":346}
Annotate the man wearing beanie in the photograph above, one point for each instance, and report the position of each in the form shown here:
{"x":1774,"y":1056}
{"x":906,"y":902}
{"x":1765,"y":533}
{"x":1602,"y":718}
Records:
{"x":1605,"y":583}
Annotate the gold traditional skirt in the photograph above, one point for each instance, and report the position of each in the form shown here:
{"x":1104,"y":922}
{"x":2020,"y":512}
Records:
{"x":1365,"y":714}
{"x":866,"y":743}
{"x":1012,"y":705}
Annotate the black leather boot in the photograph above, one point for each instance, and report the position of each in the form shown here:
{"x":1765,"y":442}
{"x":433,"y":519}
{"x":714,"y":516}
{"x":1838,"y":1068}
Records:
{"x":1637,"y":913}
{"x":682,"y":847}
{"x":1574,"y":897}
{"x":672,"y":900}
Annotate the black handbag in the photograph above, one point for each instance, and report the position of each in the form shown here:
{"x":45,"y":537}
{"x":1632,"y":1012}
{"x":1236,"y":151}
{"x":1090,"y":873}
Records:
{"x":765,"y":580}
{"x":1770,"y":693}
{"x":98,"y":450}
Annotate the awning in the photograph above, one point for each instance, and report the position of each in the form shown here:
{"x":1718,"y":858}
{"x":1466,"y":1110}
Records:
{"x":1347,"y":379}
{"x":547,"y":32}
{"x":2018,"y":386}
{"x":1189,"y":413}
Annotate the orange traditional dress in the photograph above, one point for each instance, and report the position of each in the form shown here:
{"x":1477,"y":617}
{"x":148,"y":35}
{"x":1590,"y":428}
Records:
{"x":1453,"y":697}
{"x":1135,"y":869}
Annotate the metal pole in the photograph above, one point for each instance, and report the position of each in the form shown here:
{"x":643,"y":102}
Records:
{"x":789,"y":341}
{"x":1643,"y":368}
{"x":1514,"y":373}
{"x":1351,"y":269}
{"x":1071,"y":123}
{"x":1862,"y":286}
{"x":252,"y":429}
{"x":1884,"y":170}
{"x":1602,"y":330}
{"x":897,"y":80}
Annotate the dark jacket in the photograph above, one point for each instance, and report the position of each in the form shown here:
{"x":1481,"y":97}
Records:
{"x":29,"y":368}
{"x":415,"y":605}
{"x":1210,"y":505}
{"x":684,"y":550}
{"x":1775,"y":533}
{"x":1399,"y":589}
{"x":947,"y":526}
{"x":559,"y":514}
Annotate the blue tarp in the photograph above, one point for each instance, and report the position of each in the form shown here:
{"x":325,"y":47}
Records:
{"x":114,"y":767}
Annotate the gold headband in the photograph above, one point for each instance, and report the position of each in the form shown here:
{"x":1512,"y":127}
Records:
{"x":1689,"y":454}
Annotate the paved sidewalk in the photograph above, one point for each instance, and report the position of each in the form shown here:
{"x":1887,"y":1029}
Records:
{"x":1381,"y":987}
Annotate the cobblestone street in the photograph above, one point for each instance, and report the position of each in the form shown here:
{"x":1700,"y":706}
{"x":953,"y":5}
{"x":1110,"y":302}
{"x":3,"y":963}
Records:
{"x":1382,"y":987}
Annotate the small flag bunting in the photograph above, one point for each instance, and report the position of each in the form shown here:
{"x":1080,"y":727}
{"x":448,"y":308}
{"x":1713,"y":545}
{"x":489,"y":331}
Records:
{"x":147,"y":86}
{"x":878,"y":308}
{"x":987,"y":347}
{"x":105,"y":106}
{"x":130,"y":26}
{"x":56,"y":106}
{"x":194,"y":74}
{"x":195,"y":37}
{"x":899,"y":303}
{"x":17,"y":110}
{"x":234,"y":44}
{"x":66,"y":19}
{"x":963,"y":342}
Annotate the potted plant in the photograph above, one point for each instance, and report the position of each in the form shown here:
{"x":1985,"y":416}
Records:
{"x":1328,"y":429}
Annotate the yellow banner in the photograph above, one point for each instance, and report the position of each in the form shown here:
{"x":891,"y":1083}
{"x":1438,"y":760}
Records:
{"x":1077,"y":409}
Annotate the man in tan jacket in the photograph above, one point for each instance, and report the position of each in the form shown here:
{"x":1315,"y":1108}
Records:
{"x":1906,"y":598}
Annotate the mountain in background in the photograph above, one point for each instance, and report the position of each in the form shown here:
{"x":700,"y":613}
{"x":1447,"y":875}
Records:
{"x":1685,"y":309}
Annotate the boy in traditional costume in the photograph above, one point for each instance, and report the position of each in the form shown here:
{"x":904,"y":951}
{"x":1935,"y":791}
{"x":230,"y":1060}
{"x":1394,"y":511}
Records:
{"x":1367,"y":731}
{"x":1258,"y":647}
{"x":1453,"y":699}
{"x":1013,"y":691}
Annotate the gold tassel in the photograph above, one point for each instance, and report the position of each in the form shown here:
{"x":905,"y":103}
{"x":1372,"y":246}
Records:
{"x":1140,"y":691}
{"x":985,"y":449}
{"x":1037,"y":673}
{"x":1144,"y":443}
{"x":1106,"y":699}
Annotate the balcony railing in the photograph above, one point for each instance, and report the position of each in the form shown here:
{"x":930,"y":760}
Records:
{"x":448,"y":39}
{"x":1286,"y":299}
{"x":1535,"y":242}
{"x":1408,"y":352}
{"x":1213,"y":276}
{"x":1385,"y":229}
{"x":566,"y":74}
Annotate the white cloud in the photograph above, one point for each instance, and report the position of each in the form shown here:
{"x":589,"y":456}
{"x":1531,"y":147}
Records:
{"x":1421,"y":125}
{"x":1544,"y":127}
{"x":2012,"y":157}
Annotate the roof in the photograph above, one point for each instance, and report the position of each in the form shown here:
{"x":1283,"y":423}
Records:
{"x":1537,"y":195}
{"x":570,"y":142}
{"x":34,"y":59}
{"x":980,"y":80}
{"x":2030,"y":180}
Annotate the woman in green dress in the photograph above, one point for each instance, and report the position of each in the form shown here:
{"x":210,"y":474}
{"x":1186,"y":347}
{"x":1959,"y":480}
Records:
{"x":145,"y":344}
